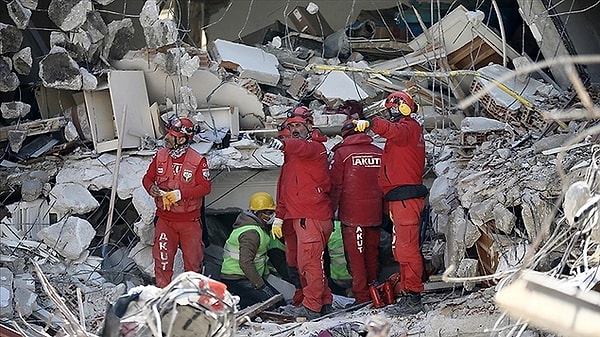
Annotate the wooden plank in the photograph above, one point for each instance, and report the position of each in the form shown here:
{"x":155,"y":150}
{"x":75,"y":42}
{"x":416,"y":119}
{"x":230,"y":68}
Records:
{"x":37,"y":127}
{"x":244,"y":315}
{"x":552,"y":305}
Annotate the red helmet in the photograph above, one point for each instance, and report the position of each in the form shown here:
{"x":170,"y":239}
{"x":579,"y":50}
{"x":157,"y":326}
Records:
{"x":180,"y":127}
{"x":348,"y":128}
{"x":300,"y":114}
{"x":402,"y":102}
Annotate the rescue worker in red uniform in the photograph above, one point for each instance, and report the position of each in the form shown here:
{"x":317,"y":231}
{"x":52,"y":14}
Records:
{"x":289,"y":235}
{"x":303,"y":199}
{"x":401,"y":180}
{"x":359,"y":203}
{"x":178,"y":179}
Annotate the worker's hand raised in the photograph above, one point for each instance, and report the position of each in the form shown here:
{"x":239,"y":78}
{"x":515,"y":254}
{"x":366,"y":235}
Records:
{"x":277,"y":229}
{"x":361,"y":125}
{"x":276,"y":144}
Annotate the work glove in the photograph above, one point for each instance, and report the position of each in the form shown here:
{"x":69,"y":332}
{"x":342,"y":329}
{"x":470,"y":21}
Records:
{"x":276,"y":144}
{"x":171,"y":198}
{"x":361,"y":125}
{"x":268,"y":291}
{"x":166,"y":203}
{"x":277,"y":229}
{"x":418,"y":118}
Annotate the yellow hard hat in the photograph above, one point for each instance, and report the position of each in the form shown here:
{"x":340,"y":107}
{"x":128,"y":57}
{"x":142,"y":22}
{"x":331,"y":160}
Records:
{"x":260,"y":201}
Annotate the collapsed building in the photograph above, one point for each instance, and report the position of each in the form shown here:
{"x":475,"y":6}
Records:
{"x":512,"y":140}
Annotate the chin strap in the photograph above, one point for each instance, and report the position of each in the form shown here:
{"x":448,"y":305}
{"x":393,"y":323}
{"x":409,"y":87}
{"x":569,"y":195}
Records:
{"x":178,"y":150}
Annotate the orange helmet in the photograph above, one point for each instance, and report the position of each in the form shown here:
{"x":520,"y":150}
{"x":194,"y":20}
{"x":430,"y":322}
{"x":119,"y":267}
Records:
{"x":300,"y":114}
{"x":180,"y":127}
{"x":399,"y":103}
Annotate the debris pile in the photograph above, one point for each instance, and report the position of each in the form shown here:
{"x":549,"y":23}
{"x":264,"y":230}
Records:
{"x":509,"y":172}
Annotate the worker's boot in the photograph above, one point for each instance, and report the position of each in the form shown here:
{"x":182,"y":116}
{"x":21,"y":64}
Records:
{"x":301,"y":312}
{"x":326,"y":309}
{"x":409,"y":304}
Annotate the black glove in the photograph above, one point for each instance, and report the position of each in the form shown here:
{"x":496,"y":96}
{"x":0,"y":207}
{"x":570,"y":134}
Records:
{"x":268,"y":291}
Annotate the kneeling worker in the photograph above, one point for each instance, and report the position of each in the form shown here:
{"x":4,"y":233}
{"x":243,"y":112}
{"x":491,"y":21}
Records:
{"x":245,"y":254}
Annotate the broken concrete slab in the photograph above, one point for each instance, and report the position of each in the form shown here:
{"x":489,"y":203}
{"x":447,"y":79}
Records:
{"x":76,"y":44}
{"x":177,"y":61}
{"x":88,"y":81}
{"x":22,"y":61}
{"x":58,"y":70}
{"x":119,"y":39}
{"x":69,"y":237}
{"x":19,"y":14}
{"x":504,"y":219}
{"x":247,"y":61}
{"x":68,"y":15}
{"x":14,"y":109}
{"x":149,"y":13}
{"x":482,"y":212}
{"x":24,"y":293}
{"x":158,"y":32}
{"x":31,"y":189}
{"x":503,"y":105}
{"x":10,"y":39}
{"x":71,"y":198}
{"x":31,"y":4}
{"x":16,"y":138}
{"x":145,"y":231}
{"x":95,"y":27}
{"x":338,"y":85}
{"x":9,"y":81}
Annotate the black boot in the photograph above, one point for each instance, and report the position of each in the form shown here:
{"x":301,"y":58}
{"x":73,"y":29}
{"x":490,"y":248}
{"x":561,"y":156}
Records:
{"x":409,"y":304}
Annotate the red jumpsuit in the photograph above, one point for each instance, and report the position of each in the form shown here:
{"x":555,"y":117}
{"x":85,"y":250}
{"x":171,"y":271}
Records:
{"x":402,"y":167}
{"x":359,"y":201}
{"x":303,"y":200}
{"x":180,"y":226}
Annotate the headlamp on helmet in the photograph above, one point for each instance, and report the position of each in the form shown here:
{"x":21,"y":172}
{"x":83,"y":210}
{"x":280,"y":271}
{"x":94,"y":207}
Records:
{"x":300,"y":114}
{"x":180,"y":127}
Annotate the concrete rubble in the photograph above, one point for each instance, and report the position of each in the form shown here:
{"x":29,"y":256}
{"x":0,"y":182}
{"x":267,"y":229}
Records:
{"x":512,"y":184}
